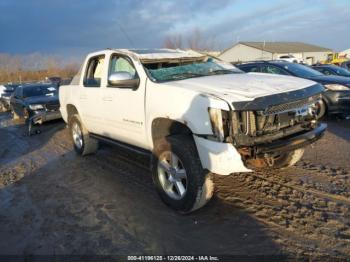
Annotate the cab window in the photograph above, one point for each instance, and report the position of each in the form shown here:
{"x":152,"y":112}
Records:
{"x":94,"y":72}
{"x":327,"y":72}
{"x":121,"y":64}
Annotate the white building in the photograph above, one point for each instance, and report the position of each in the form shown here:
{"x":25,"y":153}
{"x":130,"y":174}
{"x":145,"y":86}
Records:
{"x":345,"y":52}
{"x":248,"y":51}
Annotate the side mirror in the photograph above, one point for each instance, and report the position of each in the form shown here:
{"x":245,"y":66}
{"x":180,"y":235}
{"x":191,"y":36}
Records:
{"x":123,"y":80}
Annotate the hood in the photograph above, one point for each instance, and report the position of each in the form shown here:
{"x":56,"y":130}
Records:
{"x":332,"y":79}
{"x":243,"y":87}
{"x":41,"y":100}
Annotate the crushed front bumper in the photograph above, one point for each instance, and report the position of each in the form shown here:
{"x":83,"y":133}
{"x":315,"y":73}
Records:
{"x":224,"y":159}
{"x":292,"y":143}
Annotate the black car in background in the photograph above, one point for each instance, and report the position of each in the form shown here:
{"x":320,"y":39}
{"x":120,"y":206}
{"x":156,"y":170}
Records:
{"x":336,"y":98}
{"x":36,"y":103}
{"x":332,"y":70}
{"x":6,"y":96}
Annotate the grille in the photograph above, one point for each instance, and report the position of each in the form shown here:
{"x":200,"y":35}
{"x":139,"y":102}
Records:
{"x":52,"y":107}
{"x":276,"y":109}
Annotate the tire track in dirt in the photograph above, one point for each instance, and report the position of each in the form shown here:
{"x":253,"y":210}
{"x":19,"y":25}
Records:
{"x":320,"y":217}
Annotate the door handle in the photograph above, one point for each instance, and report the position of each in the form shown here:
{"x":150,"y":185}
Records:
{"x":107,"y":98}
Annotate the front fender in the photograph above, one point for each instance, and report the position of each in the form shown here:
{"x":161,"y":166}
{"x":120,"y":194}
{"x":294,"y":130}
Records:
{"x":188,"y":108}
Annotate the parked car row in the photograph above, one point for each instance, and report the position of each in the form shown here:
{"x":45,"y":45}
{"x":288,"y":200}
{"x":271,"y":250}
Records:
{"x":336,"y":80}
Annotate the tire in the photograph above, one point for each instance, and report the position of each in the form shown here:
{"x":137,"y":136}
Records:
{"x":175,"y":160}
{"x":288,"y":159}
{"x":321,"y":109}
{"x":83,"y":143}
{"x":14,"y":115}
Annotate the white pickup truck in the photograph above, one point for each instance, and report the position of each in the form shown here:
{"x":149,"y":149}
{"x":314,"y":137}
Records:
{"x":194,"y":114}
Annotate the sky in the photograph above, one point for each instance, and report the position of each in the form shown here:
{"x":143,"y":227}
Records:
{"x":71,"y":28}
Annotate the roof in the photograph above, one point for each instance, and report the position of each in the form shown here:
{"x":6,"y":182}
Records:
{"x":150,"y":55}
{"x":283,"y":47}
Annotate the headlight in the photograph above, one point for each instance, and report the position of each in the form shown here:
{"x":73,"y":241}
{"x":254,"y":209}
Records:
{"x":218,"y":119}
{"x":36,"y":107}
{"x":336,"y":87}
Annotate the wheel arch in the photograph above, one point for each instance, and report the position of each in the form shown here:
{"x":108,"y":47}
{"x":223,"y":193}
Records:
{"x":163,"y":127}
{"x":71,"y":110}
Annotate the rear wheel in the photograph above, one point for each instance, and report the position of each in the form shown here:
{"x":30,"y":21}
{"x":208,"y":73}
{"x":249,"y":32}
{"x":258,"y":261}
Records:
{"x":178,"y":175}
{"x":83,"y":143}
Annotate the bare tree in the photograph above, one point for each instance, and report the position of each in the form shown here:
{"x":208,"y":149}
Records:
{"x":195,"y":41}
{"x":173,"y":42}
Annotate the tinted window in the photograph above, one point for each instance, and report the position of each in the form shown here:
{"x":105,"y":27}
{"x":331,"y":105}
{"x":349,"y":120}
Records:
{"x":30,"y":91}
{"x":270,"y":69}
{"x":94,"y":72}
{"x":327,"y":72}
{"x":250,"y":68}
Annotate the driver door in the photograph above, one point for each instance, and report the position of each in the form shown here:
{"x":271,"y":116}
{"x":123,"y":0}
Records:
{"x":123,"y":106}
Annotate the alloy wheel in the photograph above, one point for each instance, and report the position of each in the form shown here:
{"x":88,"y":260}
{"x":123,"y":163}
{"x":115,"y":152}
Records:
{"x":172,"y":175}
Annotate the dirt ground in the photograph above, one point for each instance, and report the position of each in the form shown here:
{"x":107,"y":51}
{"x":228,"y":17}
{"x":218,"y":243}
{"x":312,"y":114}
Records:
{"x":54,"y":202}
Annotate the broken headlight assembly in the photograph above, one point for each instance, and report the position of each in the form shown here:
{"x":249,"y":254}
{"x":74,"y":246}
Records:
{"x":219,"y":120}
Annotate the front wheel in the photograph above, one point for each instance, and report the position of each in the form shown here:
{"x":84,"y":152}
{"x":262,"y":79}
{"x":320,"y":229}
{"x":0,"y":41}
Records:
{"x":83,"y":143}
{"x":320,"y":109}
{"x":178,"y":175}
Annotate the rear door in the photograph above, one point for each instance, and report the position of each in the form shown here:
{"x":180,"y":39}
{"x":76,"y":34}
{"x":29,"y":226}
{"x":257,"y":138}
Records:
{"x":90,"y":94}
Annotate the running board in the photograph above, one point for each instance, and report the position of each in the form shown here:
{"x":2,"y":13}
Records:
{"x":122,"y":144}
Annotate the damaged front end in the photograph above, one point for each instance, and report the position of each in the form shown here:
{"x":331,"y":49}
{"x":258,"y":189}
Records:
{"x":261,"y":133}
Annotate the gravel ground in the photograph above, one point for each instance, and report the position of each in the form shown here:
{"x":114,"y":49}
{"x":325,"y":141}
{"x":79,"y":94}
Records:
{"x":54,"y":202}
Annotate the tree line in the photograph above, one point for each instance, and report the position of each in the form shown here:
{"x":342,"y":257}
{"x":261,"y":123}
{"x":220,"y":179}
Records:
{"x":34,"y":67}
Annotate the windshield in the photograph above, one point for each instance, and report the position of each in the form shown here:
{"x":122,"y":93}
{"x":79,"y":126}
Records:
{"x":342,"y":71}
{"x":301,"y":70}
{"x":30,"y":91}
{"x":161,"y":72}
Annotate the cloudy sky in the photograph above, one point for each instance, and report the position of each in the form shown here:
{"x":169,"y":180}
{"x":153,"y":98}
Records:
{"x":72,"y":28}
